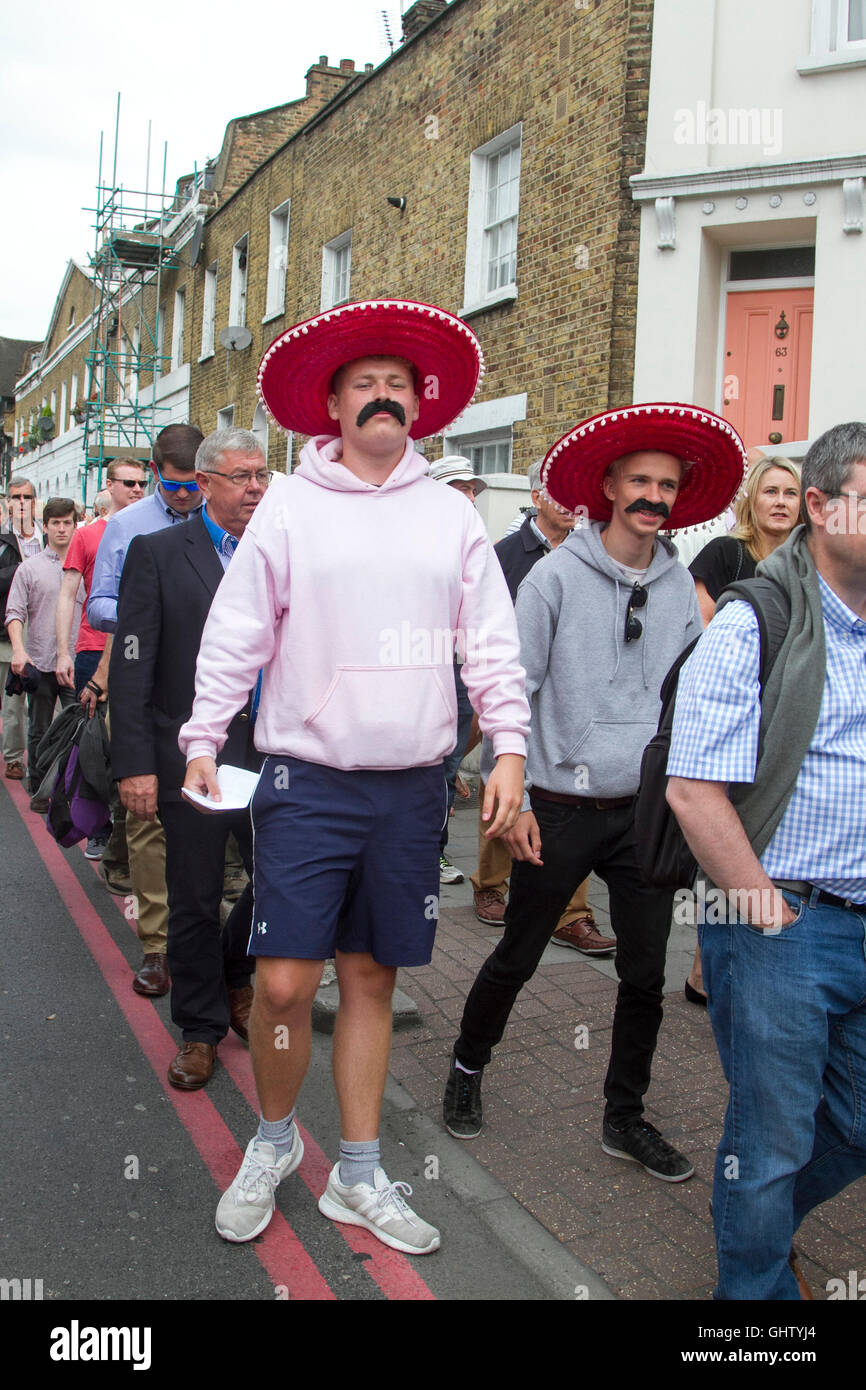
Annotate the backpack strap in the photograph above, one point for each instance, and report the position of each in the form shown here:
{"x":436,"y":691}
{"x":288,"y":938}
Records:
{"x":772,"y":609}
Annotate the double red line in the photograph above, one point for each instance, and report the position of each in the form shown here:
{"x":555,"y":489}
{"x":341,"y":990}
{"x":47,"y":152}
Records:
{"x":279,"y":1249}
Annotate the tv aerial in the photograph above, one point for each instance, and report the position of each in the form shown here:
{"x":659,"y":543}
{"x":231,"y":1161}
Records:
{"x":387,"y":28}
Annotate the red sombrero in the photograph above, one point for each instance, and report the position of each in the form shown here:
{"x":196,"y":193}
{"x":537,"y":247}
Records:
{"x":294,"y":379}
{"x":573,"y":470}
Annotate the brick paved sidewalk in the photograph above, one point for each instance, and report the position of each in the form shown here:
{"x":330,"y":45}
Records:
{"x":543,"y":1107}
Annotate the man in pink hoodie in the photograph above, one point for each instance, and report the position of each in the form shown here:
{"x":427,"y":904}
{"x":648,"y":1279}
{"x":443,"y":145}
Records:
{"x":353,"y":581}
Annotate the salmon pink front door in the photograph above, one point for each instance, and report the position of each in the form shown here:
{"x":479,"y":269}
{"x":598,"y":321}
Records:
{"x":768,"y":355}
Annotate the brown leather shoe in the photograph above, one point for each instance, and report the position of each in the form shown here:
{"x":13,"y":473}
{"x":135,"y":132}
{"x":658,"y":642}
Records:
{"x":15,"y":772}
{"x":794,"y":1266}
{"x":152,"y":978}
{"x":489,"y":906}
{"x":582,"y":936}
{"x":193,"y":1066}
{"x":240,"y":1003}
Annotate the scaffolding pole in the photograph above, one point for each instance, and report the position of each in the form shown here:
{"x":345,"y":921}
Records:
{"x":126,"y":356}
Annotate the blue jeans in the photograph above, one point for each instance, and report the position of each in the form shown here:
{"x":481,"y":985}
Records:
{"x":788,"y":1011}
{"x":85,"y":665}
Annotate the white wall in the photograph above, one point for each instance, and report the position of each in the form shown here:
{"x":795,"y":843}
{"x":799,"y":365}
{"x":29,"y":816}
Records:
{"x":735,"y":55}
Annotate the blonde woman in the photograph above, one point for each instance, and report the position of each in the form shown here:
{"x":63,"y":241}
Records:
{"x":766,"y":511}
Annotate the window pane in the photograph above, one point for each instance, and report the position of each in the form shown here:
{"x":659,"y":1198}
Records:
{"x":342,"y":265}
{"x":502,"y":255}
{"x":857,"y":20}
{"x":503,"y":183}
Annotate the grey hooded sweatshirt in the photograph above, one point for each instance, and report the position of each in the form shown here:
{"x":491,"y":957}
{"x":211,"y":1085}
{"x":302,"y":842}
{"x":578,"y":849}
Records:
{"x":595,"y":698}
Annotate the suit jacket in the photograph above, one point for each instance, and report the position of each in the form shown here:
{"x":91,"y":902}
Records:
{"x":168,"y":583}
{"x":10,"y":559}
{"x":517,"y":554}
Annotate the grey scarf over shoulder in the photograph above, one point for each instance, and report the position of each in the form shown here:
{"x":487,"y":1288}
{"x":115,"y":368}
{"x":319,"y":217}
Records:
{"x":792,"y":696}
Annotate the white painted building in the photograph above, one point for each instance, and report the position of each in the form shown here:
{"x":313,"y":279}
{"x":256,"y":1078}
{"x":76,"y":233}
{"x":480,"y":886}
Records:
{"x":752,"y":278}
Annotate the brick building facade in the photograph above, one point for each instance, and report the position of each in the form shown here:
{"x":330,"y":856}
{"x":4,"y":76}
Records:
{"x":504,"y":138}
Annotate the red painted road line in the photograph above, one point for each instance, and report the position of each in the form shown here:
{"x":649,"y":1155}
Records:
{"x":280,"y":1252}
{"x":390,"y":1269}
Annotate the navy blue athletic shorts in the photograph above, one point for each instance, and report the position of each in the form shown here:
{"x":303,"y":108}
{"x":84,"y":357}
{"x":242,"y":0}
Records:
{"x":346,"y":861}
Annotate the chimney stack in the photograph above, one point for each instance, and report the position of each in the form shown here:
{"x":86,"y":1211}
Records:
{"x":420,"y":14}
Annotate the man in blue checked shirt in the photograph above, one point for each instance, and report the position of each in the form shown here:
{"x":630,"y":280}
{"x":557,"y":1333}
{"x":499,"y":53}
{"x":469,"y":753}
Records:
{"x":782,"y":832}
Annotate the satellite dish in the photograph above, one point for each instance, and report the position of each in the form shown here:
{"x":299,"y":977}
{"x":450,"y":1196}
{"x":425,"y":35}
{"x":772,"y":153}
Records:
{"x":197,"y":239}
{"x":235,"y":338}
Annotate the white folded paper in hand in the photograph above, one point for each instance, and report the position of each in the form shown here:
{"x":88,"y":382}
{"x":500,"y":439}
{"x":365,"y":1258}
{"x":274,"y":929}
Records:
{"x":236,"y":785}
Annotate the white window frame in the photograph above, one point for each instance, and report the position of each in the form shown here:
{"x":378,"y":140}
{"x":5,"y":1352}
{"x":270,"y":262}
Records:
{"x":226,"y":418}
{"x":261,"y":429}
{"x":64,"y":403}
{"x":843,"y":24}
{"x":470,"y":444}
{"x":178,"y":325}
{"x":73,"y":401}
{"x":158,"y":364}
{"x":133,"y":363}
{"x":208,"y":313}
{"x":336,"y":270}
{"x":830,"y":44}
{"x":278,"y":260}
{"x":476,"y":295}
{"x":240,"y":274}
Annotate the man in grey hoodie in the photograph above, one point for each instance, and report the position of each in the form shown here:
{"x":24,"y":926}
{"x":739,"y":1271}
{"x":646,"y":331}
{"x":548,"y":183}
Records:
{"x":614,"y":598}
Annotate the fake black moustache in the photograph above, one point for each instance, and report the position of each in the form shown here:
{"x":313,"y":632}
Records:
{"x":375,"y":407}
{"x":654,"y":508}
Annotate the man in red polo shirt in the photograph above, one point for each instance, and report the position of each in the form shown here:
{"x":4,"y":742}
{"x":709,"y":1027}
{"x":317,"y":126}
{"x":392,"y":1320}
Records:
{"x":126,"y":481}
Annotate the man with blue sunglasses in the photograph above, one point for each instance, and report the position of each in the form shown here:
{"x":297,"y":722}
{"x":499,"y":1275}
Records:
{"x":175,"y":499}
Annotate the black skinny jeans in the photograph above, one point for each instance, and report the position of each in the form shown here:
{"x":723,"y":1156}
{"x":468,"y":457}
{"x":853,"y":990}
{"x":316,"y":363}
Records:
{"x":574,"y":841}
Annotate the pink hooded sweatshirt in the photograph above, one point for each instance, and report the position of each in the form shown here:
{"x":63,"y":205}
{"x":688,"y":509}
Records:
{"x":350,"y":597}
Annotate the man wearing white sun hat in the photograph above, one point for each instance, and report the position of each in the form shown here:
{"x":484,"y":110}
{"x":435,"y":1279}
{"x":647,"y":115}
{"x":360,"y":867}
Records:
{"x":350,"y":572}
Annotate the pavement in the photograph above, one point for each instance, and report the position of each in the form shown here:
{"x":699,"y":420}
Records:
{"x":109,"y":1176}
{"x":542,"y":1093}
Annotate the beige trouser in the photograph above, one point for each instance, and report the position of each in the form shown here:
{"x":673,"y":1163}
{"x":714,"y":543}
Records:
{"x":14,"y":712}
{"x":494,"y":867}
{"x":146,"y":842}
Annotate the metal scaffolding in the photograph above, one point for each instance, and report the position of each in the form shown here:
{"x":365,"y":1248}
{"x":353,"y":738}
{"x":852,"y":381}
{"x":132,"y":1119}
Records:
{"x":126,"y":355}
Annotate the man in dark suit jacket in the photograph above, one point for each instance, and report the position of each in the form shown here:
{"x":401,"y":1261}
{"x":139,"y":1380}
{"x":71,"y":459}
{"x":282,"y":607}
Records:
{"x":168,"y":583}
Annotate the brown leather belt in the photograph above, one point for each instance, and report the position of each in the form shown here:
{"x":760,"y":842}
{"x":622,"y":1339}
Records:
{"x":598,"y":803}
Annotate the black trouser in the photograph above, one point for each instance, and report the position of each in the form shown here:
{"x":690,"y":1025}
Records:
{"x":203,"y":962}
{"x":575,"y":840}
{"x":40,"y":714}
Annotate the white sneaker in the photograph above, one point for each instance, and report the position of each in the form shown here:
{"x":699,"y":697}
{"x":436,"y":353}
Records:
{"x":246,"y":1208}
{"x":448,"y":872}
{"x":380,"y":1209}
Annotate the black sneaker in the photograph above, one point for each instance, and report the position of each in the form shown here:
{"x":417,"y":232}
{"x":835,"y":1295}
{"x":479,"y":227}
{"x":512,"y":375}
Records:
{"x":641,"y":1143}
{"x":461,"y":1105}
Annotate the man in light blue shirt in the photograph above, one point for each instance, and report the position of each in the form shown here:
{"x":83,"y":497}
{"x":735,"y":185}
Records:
{"x":177,"y":497}
{"x":771,"y":796}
